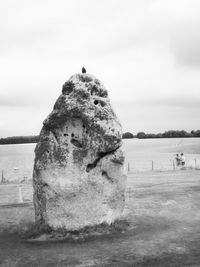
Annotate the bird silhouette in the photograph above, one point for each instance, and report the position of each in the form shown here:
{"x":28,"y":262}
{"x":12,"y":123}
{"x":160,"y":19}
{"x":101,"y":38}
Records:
{"x":83,"y":70}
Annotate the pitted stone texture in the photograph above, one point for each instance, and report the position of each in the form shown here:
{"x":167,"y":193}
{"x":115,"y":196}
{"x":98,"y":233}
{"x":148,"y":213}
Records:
{"x":78,"y":172}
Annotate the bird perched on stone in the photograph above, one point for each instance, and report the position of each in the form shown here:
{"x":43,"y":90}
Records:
{"x":83,"y":70}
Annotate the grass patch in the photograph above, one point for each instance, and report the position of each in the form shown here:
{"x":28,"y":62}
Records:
{"x":36,"y":232}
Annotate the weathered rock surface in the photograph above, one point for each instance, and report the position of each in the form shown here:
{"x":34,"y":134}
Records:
{"x":78,"y":172}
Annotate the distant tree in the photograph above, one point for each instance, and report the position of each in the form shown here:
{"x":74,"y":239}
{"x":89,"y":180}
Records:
{"x":141,"y":135}
{"x":150,"y":135}
{"x":159,"y":135}
{"x":127,"y":135}
{"x":175,"y":134}
{"x":183,"y":133}
{"x":19,"y":140}
{"x":196,"y":133}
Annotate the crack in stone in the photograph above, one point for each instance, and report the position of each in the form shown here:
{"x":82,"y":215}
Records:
{"x":110,"y":179}
{"x":76,"y":143}
{"x":101,"y":155}
{"x":117,"y":161}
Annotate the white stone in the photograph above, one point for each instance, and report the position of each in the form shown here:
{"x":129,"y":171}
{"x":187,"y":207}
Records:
{"x":78,"y":171}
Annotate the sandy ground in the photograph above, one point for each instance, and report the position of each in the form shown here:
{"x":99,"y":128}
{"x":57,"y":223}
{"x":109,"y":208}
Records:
{"x":162,"y":209}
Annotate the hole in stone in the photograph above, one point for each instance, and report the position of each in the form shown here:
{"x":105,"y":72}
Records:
{"x":103,"y":104}
{"x":104,"y":173}
{"x":90,"y":167}
{"x":84,"y":78}
{"x":76,"y":143}
{"x":72,"y":135}
{"x":65,"y":134}
{"x":94,"y":90}
{"x":96,"y":102}
{"x":97,"y":82}
{"x":68,"y":87}
{"x":83,"y":126}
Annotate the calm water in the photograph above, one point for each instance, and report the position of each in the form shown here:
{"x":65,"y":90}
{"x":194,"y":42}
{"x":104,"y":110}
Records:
{"x":16,"y":161}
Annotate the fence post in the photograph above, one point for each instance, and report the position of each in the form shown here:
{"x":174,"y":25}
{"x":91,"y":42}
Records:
{"x":152,"y":167}
{"x":173,"y":165}
{"x":128,"y":167}
{"x":195,"y":161}
{"x":129,"y":193}
{"x":20,"y":197}
{"x":2,"y":177}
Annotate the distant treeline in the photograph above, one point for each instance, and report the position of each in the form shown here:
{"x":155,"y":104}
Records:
{"x":127,"y":135}
{"x":19,"y":140}
{"x":167,"y":134}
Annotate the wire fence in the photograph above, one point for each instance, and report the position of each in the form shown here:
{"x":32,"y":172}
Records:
{"x":22,"y":191}
{"x":15,"y":193}
{"x":161,"y":165}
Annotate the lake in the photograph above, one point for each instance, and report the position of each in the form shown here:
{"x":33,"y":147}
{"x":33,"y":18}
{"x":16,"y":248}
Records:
{"x":16,"y":161}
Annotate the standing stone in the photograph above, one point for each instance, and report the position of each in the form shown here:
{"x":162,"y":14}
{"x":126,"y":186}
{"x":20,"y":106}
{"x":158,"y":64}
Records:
{"x":78,"y":171}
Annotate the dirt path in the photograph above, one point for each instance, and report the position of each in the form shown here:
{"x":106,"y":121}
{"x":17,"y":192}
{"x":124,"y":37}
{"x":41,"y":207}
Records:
{"x":162,"y":209}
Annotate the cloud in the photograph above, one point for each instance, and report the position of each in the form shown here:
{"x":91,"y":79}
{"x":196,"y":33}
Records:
{"x":185,"y":42}
{"x":177,"y":101}
{"x":21,"y":120}
{"x":23,"y":99}
{"x":154,"y":117}
{"x":74,"y":27}
{"x":135,"y":47}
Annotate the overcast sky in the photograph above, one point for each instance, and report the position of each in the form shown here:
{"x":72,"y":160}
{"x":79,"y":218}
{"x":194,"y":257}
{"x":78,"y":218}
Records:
{"x":146,"y":52}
